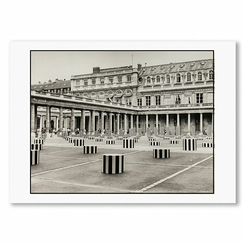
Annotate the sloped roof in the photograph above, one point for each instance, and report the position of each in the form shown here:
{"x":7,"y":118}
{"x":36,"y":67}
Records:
{"x":177,"y":67}
{"x":58,"y":84}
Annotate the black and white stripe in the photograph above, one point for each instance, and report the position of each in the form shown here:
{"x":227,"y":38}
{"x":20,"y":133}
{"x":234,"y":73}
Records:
{"x":190,"y":144}
{"x":135,"y":140}
{"x":155,"y":143}
{"x":110,"y":141}
{"x":128,"y":143}
{"x":99,"y":140}
{"x":113,"y":164}
{"x":38,"y":140}
{"x":36,"y":146}
{"x":152,"y":139}
{"x":90,"y":149}
{"x":119,"y":138}
{"x":161,"y":153}
{"x":166,"y":138}
{"x":78,"y":142}
{"x":207,"y":145}
{"x":70,"y":139}
{"x":174,"y":141}
{"x":34,"y":157}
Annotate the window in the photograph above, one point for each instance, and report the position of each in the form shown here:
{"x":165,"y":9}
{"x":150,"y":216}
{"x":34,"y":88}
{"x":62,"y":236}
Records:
{"x":111,"y":80}
{"x":148,"y":100}
{"x":189,"y":77}
{"x":148,"y":80}
{"x":158,"y":79}
{"x":78,"y":82}
{"x":199,"y":76}
{"x":168,"y":79}
{"x":140,"y":102}
{"x":158,"y":99}
{"x":211,"y":74}
{"x":129,"y":78}
{"x":93,"y":81}
{"x":178,"y":78}
{"x":119,"y":79}
{"x":199,"y":98}
{"x":102,"y":81}
{"x":178,"y":99}
{"x":85,"y":82}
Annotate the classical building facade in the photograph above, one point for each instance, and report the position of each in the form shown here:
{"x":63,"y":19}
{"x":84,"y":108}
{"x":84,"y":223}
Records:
{"x":168,"y":99}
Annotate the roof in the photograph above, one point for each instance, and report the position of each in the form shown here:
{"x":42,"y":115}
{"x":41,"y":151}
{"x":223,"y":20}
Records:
{"x":177,"y":67}
{"x":57,"y":84}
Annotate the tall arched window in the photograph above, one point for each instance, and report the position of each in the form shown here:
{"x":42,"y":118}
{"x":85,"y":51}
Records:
{"x":189,"y":77}
{"x":158,"y":79}
{"x":199,"y":76}
{"x":211,"y":74}
{"x":178,"y":78}
{"x":168,"y":79}
{"x":148,"y":80}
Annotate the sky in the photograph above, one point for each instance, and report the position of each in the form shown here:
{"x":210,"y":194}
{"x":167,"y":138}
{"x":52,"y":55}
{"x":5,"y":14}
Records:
{"x":47,"y":65}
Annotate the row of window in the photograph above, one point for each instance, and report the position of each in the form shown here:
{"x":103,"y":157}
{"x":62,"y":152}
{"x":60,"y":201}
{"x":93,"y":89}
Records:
{"x":199,"y":100}
{"x":102,"y":80}
{"x":178,"y":77}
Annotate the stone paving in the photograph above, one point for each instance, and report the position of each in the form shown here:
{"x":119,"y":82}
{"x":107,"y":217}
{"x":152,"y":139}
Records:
{"x":63,"y":168}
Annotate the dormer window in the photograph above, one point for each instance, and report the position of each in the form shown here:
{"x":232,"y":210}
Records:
{"x":93,"y":81}
{"x":178,"y":78}
{"x":199,"y":76}
{"x":85,"y":82}
{"x":111,"y":80}
{"x":148,"y":80}
{"x":168,"y":79}
{"x":119,"y":78}
{"x":102,"y":81}
{"x":129,"y":78}
{"x":158,"y":79}
{"x":211,"y":74}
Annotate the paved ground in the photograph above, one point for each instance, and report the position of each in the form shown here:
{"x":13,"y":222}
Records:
{"x":64,"y":168}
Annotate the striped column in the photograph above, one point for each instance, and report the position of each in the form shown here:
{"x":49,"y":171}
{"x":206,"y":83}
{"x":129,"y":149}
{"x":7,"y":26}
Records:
{"x":78,"y":142}
{"x":34,"y":157}
{"x":36,"y":146}
{"x":99,"y":140}
{"x":190,"y":144}
{"x":113,"y":164}
{"x":174,"y":141}
{"x":155,"y":143}
{"x":38,"y":140}
{"x":151,"y":139}
{"x":110,"y":141}
{"x":207,"y":145}
{"x":90,"y":149}
{"x":128,"y":143}
{"x":161,"y":153}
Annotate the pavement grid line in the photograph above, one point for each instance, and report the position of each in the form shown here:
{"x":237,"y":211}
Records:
{"x":171,"y":176}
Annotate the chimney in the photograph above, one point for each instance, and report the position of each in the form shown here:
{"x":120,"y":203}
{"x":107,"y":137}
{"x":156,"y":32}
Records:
{"x":139,"y":67}
{"x":96,"y":69}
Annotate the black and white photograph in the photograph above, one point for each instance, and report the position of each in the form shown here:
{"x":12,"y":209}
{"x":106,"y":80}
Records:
{"x":122,"y":121}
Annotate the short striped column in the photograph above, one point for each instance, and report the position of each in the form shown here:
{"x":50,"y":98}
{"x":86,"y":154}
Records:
{"x":90,"y":149}
{"x":155,"y":143}
{"x":91,"y":138}
{"x":99,"y":140}
{"x":109,"y":137}
{"x":36,"y":146}
{"x":119,"y":138}
{"x":166,"y":138}
{"x":110,"y":141}
{"x":190,"y":144}
{"x":128,"y":143}
{"x":135,"y":140}
{"x":152,"y":139}
{"x":38,"y":140}
{"x":78,"y":142}
{"x":174,"y":141}
{"x":34,"y":157}
{"x":70,"y":140}
{"x":113,"y":164}
{"x":161,"y":153}
{"x":207,"y":145}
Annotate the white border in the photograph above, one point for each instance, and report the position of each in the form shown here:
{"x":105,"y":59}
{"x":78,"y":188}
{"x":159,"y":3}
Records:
{"x":225,"y":117}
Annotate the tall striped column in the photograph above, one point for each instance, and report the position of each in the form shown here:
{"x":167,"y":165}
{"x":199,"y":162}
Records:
{"x":34,"y":157}
{"x":161,"y":153}
{"x":190,"y":144}
{"x":128,"y":143}
{"x":113,"y":164}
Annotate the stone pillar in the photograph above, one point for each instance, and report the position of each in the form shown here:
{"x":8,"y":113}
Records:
{"x":93,"y":122}
{"x":212,"y":125}
{"x":201,"y":122}
{"x":65,"y":123}
{"x":61,"y":119}
{"x":131,"y":121}
{"x":146,"y":122}
{"x":33,"y":120}
{"x":82,"y":121}
{"x":48,"y":115}
{"x":41,"y":122}
{"x":125,"y":123}
{"x":72,"y":120}
{"x":57,"y":124}
{"x":167,"y":120}
{"x":178,"y":125}
{"x":189,"y":123}
{"x":110,"y":121}
{"x":157,"y":121}
{"x":102,"y":121}
{"x":137,"y":123}
{"x":118,"y":122}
